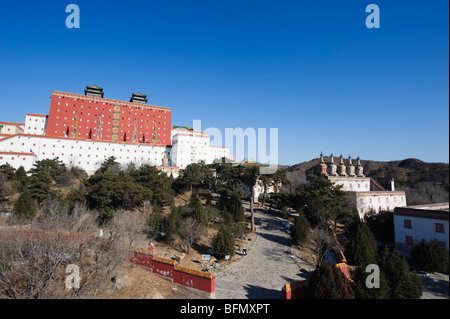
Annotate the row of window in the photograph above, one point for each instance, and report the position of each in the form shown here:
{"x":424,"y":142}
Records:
{"x":80,"y":127}
{"x":439,"y":227}
{"x":112,"y":104}
{"x":12,"y":158}
{"x":30,"y":120}
{"x":108,"y":116}
{"x":96,"y":163}
{"x":107,"y":136}
{"x":409,"y":241}
{"x":361,"y":200}
{"x":89,"y":148}
{"x":97,"y":149}
{"x":81,"y":155}
{"x":181,"y":142}
{"x":359,"y":186}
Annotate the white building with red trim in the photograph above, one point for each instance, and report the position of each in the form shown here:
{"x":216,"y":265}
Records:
{"x":35,"y":124}
{"x":189,"y":146}
{"x":364,"y":192}
{"x":414,"y":223}
{"x":24,"y":149}
{"x":9,"y":128}
{"x":377,"y":201}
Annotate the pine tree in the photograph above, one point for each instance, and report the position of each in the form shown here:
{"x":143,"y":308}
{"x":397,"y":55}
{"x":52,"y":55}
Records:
{"x":403,"y":284}
{"x":4,"y":189}
{"x":25,"y":206}
{"x":75,"y":195}
{"x":231,"y":206}
{"x":235,"y":208}
{"x":362,"y":249}
{"x":172,"y":221}
{"x":21,"y":176}
{"x":155,"y":222}
{"x":110,"y":164}
{"x":359,"y":277}
{"x":110,"y":191}
{"x":197,"y":211}
{"x":328,"y":282}
{"x":54,"y":167}
{"x":195,"y":177}
{"x":430,"y":257}
{"x":8,"y":171}
{"x":223,"y":243}
{"x":157,"y":182}
{"x":299,"y":231}
{"x":39,"y":186}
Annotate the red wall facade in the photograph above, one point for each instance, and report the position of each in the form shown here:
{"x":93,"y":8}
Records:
{"x":180,"y":275}
{"x":295,"y":290}
{"x":194,"y":279}
{"x":118,"y":119}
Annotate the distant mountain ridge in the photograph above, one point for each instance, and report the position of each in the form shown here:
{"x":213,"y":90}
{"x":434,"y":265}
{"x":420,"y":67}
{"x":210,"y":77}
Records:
{"x":407,"y":172}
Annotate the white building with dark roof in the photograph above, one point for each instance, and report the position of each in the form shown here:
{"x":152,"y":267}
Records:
{"x":414,"y":223}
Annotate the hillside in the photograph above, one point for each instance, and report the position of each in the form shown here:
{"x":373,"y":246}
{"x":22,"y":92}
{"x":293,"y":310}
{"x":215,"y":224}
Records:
{"x":407,"y":173}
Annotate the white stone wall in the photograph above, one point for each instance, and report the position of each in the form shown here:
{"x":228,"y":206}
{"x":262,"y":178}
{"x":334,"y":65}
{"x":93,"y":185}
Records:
{"x":421,"y":228}
{"x":170,"y":170}
{"x":188,"y":147}
{"x":86,"y":154}
{"x":377,"y":201}
{"x":10,"y":128}
{"x":89,"y":154}
{"x":352,"y":184}
{"x":192,"y":147}
{"x":35,"y":124}
{"x":217,"y":152}
{"x":18,"y":159}
{"x":258,"y":189}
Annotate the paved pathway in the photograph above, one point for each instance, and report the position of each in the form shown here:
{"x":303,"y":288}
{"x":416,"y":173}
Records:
{"x":265,"y":269}
{"x":435,"y":286}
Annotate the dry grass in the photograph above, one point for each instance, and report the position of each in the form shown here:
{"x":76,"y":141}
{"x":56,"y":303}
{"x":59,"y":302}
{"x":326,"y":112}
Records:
{"x":146,"y":285}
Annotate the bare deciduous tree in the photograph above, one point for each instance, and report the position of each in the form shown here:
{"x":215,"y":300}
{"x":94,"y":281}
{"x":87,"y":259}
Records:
{"x":295,"y":179}
{"x":130,"y":227}
{"x":425,"y":193}
{"x":189,"y":231}
{"x":323,"y":243}
{"x":33,"y":259}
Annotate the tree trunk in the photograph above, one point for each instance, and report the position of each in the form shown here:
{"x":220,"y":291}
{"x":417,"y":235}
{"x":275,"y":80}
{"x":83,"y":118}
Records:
{"x":252,"y":223}
{"x":265,"y":196}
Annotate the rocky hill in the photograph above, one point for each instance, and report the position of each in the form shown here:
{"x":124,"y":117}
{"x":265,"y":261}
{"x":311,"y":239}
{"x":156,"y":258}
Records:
{"x":407,"y":173}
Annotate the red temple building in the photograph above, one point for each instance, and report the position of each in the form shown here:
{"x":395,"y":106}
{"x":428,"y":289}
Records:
{"x":93,"y":117}
{"x":84,"y":130}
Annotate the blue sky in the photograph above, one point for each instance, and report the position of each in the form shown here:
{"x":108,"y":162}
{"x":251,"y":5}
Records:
{"x":312,"y":69}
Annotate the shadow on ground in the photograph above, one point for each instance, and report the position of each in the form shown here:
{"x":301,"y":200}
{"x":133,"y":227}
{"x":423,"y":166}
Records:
{"x":436,"y":286}
{"x":257,"y":292}
{"x":276,"y":238}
